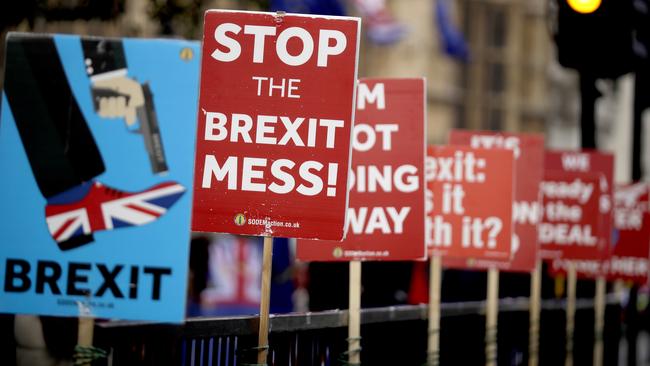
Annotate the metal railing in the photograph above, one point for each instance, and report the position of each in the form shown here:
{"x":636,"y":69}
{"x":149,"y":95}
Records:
{"x":395,"y":335}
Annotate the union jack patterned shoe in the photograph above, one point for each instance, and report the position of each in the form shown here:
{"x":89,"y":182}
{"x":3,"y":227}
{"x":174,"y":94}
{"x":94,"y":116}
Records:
{"x":99,"y":207}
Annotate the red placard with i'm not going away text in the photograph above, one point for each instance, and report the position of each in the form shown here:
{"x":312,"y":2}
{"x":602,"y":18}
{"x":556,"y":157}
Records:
{"x":528,"y":150}
{"x":386,"y":214}
{"x":469,"y":202}
{"x":275,"y":118}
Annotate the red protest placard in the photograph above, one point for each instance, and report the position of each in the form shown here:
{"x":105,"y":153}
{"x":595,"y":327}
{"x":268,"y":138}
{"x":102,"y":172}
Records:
{"x":274,"y":124}
{"x":386,"y":214}
{"x":588,"y":264}
{"x":469,"y":202}
{"x":570,"y":227}
{"x":590,"y":162}
{"x":528,"y":150}
{"x":629,"y":259}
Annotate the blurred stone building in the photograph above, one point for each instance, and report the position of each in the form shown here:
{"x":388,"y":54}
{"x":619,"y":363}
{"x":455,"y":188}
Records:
{"x":511,"y":81}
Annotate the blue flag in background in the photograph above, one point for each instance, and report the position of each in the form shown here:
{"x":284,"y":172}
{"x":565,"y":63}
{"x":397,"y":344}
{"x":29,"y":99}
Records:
{"x":281,"y":278}
{"x":452,"y":40}
{"x":380,"y":26}
{"x":322,"y":7}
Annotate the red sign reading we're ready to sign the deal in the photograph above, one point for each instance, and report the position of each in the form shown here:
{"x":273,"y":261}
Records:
{"x":571,"y":225}
{"x":578,"y":227}
{"x":598,"y":162}
{"x":275,"y":118}
{"x":528,"y":150}
{"x":628,"y":258}
{"x":469,"y":202}
{"x":386,"y":214}
{"x":577,"y":215}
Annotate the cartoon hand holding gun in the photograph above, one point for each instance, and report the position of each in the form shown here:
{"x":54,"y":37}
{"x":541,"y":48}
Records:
{"x":115,"y":95}
{"x":119,"y":96}
{"x":124,"y":97}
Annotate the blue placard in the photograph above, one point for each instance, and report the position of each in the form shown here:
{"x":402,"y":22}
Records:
{"x":96,"y":154}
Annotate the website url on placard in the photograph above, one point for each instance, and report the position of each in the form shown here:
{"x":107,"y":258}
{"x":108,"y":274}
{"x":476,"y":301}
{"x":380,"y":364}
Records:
{"x":272,"y":223}
{"x":366,"y":253}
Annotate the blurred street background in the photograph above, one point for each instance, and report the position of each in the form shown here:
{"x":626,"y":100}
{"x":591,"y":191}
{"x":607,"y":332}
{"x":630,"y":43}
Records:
{"x":490,"y":64}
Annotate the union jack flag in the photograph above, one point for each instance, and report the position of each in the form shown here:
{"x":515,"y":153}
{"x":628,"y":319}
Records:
{"x":105,"y":208}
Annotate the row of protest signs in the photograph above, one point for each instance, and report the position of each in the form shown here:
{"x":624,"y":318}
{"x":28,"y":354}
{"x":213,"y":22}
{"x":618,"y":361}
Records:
{"x":288,"y":144}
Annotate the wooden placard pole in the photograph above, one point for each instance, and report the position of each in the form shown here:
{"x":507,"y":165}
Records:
{"x":491,"y":316}
{"x":265,"y":299}
{"x":435,"y":274}
{"x":354,"y":314}
{"x":599,"y":321}
{"x":535,"y":312}
{"x":84,"y":352}
{"x":85,"y":338}
{"x":570,"y":312}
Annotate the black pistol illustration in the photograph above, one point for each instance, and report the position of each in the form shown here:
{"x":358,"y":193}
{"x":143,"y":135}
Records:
{"x":149,"y":128}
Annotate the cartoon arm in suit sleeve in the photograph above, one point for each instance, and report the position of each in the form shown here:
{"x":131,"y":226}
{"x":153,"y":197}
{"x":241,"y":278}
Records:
{"x":115,"y":94}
